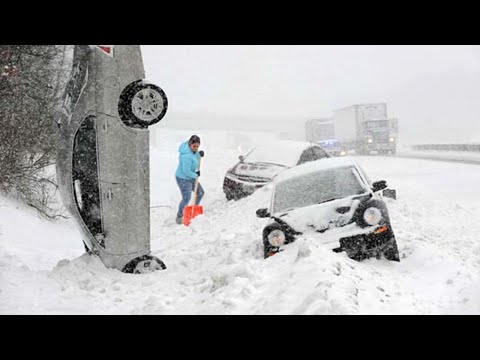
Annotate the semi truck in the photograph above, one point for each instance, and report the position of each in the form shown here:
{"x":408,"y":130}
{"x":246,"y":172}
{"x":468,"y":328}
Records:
{"x":366,"y":128}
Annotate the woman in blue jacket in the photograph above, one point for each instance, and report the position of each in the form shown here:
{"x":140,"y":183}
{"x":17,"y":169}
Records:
{"x":187,"y":173}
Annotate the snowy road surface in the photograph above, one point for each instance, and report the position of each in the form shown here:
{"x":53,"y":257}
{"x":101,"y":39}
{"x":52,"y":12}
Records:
{"x":215,"y":266}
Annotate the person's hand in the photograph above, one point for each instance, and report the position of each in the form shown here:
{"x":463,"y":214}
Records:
{"x":202,"y":153}
{"x":198,"y":172}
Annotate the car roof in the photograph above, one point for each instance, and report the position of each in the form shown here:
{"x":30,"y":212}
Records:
{"x":315,"y":166}
{"x":283,"y":152}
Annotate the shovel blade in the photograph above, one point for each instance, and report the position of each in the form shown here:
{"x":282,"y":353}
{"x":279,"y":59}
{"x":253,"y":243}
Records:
{"x":189,"y":212}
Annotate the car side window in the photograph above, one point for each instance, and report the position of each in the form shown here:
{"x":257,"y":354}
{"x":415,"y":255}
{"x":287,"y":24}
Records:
{"x":306,"y":156}
{"x":319,"y":153}
{"x":85,"y":175}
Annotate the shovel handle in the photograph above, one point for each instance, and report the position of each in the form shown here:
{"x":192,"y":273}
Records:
{"x":196,"y":184}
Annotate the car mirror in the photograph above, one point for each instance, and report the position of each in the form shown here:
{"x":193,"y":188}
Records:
{"x":262,"y":213}
{"x":241,"y":158}
{"x":379,"y":185}
{"x":390,"y":193}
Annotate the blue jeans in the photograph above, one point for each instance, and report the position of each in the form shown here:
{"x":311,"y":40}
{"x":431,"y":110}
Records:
{"x":186,"y":189}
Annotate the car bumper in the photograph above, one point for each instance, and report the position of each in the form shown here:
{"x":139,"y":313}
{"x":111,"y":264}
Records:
{"x":374,"y":244}
{"x":358,"y":243}
{"x":237,"y":189}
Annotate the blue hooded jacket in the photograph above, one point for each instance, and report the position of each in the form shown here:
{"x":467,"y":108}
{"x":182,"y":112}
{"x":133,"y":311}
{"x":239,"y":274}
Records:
{"x":188,"y":163}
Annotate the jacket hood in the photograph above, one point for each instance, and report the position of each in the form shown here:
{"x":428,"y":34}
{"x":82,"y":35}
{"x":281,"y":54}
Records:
{"x":185,"y":149}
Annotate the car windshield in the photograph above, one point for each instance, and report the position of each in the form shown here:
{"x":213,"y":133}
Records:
{"x":317,"y":188}
{"x":377,"y":124}
{"x":78,"y":78}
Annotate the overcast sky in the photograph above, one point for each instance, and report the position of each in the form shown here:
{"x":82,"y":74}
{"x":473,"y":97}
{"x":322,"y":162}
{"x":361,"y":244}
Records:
{"x":434,"y":91}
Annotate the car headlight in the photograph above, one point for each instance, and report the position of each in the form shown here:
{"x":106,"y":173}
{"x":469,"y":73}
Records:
{"x":276,"y":238}
{"x":369,"y":141}
{"x":343,"y":153}
{"x":392,"y":139}
{"x":372,"y":216}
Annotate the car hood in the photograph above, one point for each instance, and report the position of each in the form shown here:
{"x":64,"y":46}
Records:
{"x":258,"y":170}
{"x":322,"y":217}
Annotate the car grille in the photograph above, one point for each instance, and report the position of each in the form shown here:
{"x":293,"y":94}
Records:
{"x":253,"y":179}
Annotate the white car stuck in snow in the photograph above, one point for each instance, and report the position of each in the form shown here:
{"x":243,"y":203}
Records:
{"x":335,"y":199}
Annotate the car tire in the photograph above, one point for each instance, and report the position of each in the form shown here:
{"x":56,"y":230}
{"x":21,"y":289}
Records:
{"x":142,"y":104}
{"x":144,"y":265}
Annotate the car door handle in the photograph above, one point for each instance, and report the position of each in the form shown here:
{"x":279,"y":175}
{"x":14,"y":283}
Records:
{"x":109,"y":194}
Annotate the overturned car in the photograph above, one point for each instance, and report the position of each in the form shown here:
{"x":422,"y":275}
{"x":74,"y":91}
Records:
{"x":103,"y":153}
{"x":335,"y":201}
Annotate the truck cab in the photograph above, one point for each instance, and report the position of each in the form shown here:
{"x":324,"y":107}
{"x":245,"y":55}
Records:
{"x":380,"y":135}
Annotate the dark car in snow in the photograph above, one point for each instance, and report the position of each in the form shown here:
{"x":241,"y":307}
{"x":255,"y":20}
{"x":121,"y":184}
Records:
{"x":261,"y":164}
{"x":335,"y":202}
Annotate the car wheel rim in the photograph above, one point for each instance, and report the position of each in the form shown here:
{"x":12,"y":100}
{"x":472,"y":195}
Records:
{"x":146,"y":266}
{"x":147,"y":104}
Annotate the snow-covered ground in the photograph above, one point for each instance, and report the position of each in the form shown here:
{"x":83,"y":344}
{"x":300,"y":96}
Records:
{"x":216,"y":266}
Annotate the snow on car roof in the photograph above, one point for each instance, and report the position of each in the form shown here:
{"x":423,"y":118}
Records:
{"x":283,"y":152}
{"x":314,"y":166}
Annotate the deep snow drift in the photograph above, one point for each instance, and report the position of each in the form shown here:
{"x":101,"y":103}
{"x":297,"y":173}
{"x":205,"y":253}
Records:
{"x":216,"y":266}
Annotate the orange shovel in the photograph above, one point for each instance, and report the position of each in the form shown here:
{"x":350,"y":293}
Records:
{"x":191,"y":211}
